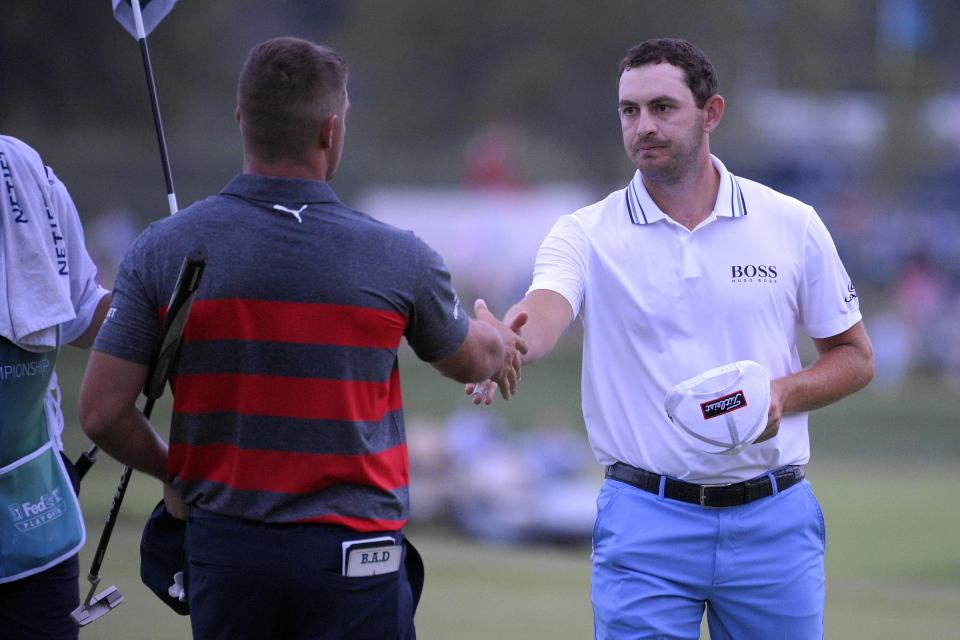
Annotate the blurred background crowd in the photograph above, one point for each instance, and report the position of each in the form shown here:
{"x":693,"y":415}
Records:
{"x":478,"y":124}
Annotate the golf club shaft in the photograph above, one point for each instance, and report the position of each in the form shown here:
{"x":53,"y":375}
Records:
{"x":114,"y":509}
{"x":108,"y":527}
{"x":158,"y":123}
{"x":155,"y":105}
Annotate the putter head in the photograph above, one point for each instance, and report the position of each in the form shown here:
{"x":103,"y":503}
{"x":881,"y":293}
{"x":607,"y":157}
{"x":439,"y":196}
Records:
{"x":97,"y":606}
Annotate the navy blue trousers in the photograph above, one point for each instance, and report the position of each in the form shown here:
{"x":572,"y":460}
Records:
{"x":252,"y":580}
{"x":39,"y":606}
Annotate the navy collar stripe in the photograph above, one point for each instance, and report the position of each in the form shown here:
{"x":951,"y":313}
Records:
{"x":633,"y":216}
{"x":736,"y":198}
{"x":738,"y":205}
{"x":733,"y":193}
{"x":631,"y":188}
{"x":743,"y":203}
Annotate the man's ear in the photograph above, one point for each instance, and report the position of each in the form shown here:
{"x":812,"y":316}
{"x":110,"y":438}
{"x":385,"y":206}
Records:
{"x":712,"y":112}
{"x":326,"y":131}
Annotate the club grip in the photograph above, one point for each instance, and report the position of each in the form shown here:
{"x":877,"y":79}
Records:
{"x":85,"y":461}
{"x":178,"y":310}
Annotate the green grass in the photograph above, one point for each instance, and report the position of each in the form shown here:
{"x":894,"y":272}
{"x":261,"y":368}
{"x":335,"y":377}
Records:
{"x":885,"y":470}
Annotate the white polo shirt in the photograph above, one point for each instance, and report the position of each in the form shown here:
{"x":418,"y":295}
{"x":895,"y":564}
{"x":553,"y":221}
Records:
{"x":660,"y":304}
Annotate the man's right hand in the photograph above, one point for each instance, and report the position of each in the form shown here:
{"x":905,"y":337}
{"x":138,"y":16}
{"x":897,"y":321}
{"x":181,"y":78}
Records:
{"x":543,"y":315}
{"x":174,"y":503}
{"x":482,"y":391}
{"x":507,"y":378}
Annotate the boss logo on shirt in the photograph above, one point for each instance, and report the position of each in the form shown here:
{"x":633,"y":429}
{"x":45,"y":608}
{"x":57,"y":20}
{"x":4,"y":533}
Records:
{"x":722,"y":405}
{"x":753,"y":272}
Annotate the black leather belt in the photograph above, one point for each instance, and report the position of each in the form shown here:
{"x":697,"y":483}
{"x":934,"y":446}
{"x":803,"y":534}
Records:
{"x":707,"y":495}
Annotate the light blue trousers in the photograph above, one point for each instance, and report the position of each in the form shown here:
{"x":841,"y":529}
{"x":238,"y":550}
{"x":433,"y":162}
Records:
{"x":756,"y":568}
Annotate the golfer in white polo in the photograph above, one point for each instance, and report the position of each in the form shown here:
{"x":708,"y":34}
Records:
{"x":687,"y":269}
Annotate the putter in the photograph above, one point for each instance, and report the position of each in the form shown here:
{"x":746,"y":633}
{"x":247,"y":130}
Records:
{"x":95,"y":606}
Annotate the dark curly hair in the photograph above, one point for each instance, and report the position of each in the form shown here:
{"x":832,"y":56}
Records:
{"x":699,"y":72}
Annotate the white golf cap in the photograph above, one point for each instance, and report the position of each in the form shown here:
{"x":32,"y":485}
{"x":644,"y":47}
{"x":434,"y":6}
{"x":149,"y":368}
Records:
{"x":724,"y":409}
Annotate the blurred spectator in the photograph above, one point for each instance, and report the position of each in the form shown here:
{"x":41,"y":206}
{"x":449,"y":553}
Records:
{"x":111,"y":234}
{"x":892,"y":348}
{"x":492,"y":159}
{"x":920,"y":292}
{"x":500,"y":485}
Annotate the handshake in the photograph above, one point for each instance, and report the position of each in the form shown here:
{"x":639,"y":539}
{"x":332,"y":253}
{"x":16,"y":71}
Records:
{"x":507,"y":376}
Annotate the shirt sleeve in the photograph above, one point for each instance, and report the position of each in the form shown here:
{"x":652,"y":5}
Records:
{"x":827,"y":299}
{"x":438,"y":324}
{"x":132,"y":328}
{"x":561,"y":262}
{"x":85,"y":291}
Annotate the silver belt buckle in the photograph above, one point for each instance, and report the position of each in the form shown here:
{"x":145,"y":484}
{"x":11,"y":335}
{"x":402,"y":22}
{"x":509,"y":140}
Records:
{"x":703,"y":493}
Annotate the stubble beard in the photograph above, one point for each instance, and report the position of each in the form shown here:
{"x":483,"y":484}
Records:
{"x":680,"y":160}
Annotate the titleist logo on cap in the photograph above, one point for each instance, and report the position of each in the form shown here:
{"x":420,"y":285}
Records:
{"x":722,"y":405}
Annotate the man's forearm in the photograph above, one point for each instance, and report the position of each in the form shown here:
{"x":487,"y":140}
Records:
{"x":135,"y":443}
{"x":845,"y":365}
{"x":548,"y":316}
{"x":109,"y":415}
{"x":538,"y":344}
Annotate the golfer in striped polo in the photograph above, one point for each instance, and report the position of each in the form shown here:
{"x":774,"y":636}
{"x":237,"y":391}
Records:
{"x":287,"y":444}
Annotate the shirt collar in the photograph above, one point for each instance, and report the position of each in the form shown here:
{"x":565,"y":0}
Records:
{"x":643,"y":210}
{"x":283,"y":191}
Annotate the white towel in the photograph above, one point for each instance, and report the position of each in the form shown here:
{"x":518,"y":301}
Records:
{"x":34,"y":277}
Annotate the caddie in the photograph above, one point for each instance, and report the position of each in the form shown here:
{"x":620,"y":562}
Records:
{"x":687,"y":269}
{"x":49,"y":297}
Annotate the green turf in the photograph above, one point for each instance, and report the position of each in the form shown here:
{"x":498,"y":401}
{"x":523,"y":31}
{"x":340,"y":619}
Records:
{"x":885,"y":469}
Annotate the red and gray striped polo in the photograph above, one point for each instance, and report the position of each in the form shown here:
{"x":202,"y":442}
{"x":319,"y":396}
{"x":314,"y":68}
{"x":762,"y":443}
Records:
{"x":287,"y":402}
